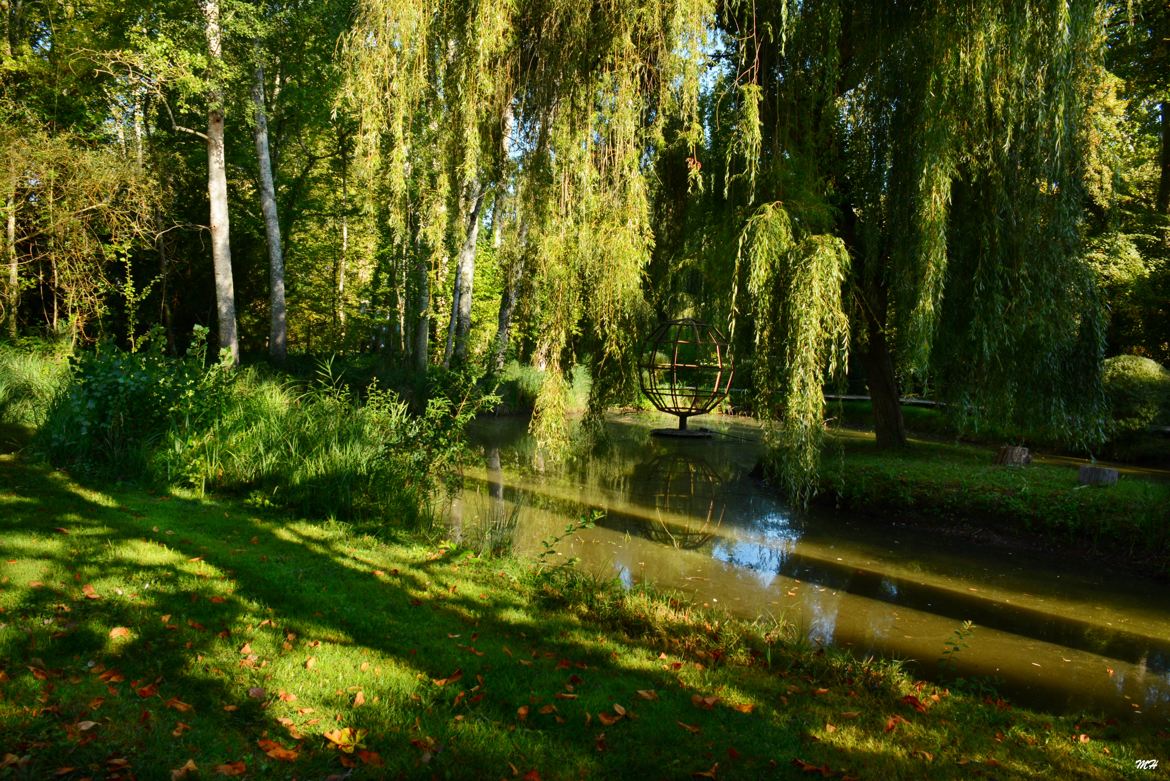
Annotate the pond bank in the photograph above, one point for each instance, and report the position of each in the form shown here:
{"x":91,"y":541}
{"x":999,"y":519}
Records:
{"x":957,"y":489}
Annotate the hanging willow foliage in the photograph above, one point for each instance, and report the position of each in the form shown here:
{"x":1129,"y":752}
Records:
{"x":586,"y":91}
{"x":801,"y":335}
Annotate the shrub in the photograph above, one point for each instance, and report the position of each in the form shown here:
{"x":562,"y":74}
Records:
{"x":1138,"y":390}
{"x":118,"y":406}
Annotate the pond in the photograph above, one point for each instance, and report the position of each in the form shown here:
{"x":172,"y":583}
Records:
{"x":688,"y":515}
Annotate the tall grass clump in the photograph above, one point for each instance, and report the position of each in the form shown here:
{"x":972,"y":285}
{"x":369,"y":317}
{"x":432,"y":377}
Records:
{"x":31,"y":374}
{"x":321,"y":449}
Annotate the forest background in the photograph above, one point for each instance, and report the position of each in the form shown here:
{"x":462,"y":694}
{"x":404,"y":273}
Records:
{"x":966,"y":200}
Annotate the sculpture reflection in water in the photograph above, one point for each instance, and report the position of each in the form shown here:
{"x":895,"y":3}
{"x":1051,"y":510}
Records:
{"x":686,"y":496}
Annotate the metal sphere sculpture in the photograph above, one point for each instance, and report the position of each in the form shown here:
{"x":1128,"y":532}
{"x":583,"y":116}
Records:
{"x":684,"y":369}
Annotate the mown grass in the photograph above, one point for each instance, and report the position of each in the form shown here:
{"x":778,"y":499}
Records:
{"x":945,"y":483}
{"x":144,"y":633}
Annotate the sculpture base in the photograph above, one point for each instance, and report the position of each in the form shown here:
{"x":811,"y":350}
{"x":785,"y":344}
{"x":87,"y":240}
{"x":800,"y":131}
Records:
{"x":683,"y":433}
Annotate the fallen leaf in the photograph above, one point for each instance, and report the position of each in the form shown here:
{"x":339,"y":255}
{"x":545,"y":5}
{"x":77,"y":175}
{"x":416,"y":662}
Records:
{"x":449,"y":679}
{"x":744,"y":707}
{"x":359,"y":699}
{"x":547,"y":709}
{"x":707,"y":773}
{"x":619,"y":710}
{"x":179,"y":705}
{"x":230,"y":708}
{"x":119,"y":631}
{"x":257,"y":693}
{"x":83,"y":726}
{"x":347,"y":739}
{"x":532,"y":775}
{"x":182,"y":772}
{"x":179,"y":729}
{"x":87,"y":589}
{"x":277,"y":751}
{"x":286,"y":697}
{"x":914,"y":703}
{"x":60,"y":530}
{"x":850,"y":714}
{"x":310,"y":663}
{"x":522,"y":712}
{"x":706,"y":703}
{"x":648,"y":694}
{"x":237,"y":768}
{"x":371,"y":758}
{"x":217,"y":600}
{"x":149,"y":690}
{"x":608,"y":720}
{"x":894,"y":721}
{"x":691,"y":728}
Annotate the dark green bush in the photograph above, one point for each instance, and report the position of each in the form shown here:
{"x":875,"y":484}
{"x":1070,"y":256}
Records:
{"x":1138,"y":390}
{"x":118,"y":406}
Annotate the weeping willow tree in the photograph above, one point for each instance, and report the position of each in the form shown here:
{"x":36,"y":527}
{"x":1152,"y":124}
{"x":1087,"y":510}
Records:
{"x":553,"y":110}
{"x":915,"y":174}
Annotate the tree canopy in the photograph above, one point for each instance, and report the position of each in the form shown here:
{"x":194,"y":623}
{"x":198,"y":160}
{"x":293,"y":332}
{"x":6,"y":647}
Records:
{"x":968,"y":200}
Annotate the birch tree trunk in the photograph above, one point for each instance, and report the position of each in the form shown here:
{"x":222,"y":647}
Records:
{"x":12,"y":293}
{"x":221,"y":253}
{"x":278,"y":330}
{"x":342,"y":259}
{"x":464,"y":281}
{"x":1164,"y":162}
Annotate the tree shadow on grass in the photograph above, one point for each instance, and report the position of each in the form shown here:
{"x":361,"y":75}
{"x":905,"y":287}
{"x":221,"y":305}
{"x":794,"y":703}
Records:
{"x":149,"y":630}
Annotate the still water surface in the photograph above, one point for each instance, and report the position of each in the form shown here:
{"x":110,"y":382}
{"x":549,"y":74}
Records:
{"x":687,"y":515}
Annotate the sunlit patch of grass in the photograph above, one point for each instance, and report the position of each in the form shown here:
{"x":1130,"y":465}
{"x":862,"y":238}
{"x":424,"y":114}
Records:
{"x":216,"y":635}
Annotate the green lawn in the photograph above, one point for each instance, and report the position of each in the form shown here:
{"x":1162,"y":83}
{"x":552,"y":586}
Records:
{"x":147,"y":634}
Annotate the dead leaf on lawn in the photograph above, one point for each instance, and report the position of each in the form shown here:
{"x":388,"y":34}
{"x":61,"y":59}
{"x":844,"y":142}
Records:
{"x":894,"y":721}
{"x":371,"y":758}
{"x":184,"y":771}
{"x":257,"y":693}
{"x":237,"y":768}
{"x":119,"y":631}
{"x":691,"y":728}
{"x":647,"y":694}
{"x":706,"y":703}
{"x":707,"y":773}
{"x":522,"y":712}
{"x":179,"y":729}
{"x":449,"y":679}
{"x":179,"y":705}
{"x":359,"y":699}
{"x":310,"y":663}
{"x":277,"y":751}
{"x":89,"y":592}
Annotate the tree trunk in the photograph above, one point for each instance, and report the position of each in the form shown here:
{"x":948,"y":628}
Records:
{"x":464,"y":281}
{"x":422,"y":324}
{"x":883,"y":388}
{"x":342,"y":259}
{"x":1164,"y":162}
{"x":508,"y":300}
{"x":278,"y":329}
{"x":221,"y":253}
{"x":12,"y":294}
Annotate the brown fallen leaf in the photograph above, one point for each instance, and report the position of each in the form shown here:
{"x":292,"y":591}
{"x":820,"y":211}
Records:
{"x":547,"y":709}
{"x":286,"y":697}
{"x":257,"y":693}
{"x":522,"y":712}
{"x":894,"y":721}
{"x":850,"y":714}
{"x":712,"y":773}
{"x":449,"y":679}
{"x":310,"y":663}
{"x":149,"y":690}
{"x":179,"y":705}
{"x":607,"y":719}
{"x":217,"y":600}
{"x":119,"y":631}
{"x":359,"y":699}
{"x":691,"y":728}
{"x":647,"y":694}
{"x":619,"y":710}
{"x":179,"y":729}
{"x":371,"y":758}
{"x":914,"y":703}
{"x":89,"y":592}
{"x":237,"y":768}
{"x":706,"y":703}
{"x":277,"y":751}
{"x":182,"y":772}
{"x":83,"y":726}
{"x":744,"y":707}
